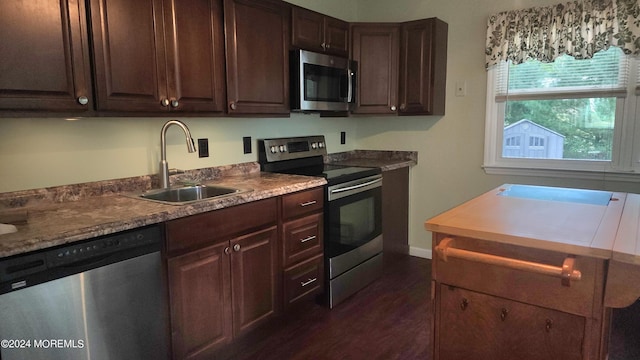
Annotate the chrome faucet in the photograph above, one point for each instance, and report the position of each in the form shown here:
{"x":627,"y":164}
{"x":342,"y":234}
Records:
{"x":164,"y":166}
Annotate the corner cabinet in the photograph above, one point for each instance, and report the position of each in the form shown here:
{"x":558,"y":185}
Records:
{"x":320,"y":33}
{"x":376,"y":48}
{"x":158,"y":55}
{"x":401,"y":67}
{"x":423,"y":67}
{"x":257,"y":57}
{"x":45,"y":56}
{"x":223,"y":277}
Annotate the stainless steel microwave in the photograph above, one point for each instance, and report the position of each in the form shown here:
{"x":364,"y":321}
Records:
{"x":321,"y":82}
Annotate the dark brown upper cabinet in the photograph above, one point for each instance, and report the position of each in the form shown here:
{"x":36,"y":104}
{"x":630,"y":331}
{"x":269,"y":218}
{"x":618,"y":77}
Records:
{"x":376,"y":48}
{"x":257,"y":52}
{"x":401,"y":67}
{"x":423,"y":67}
{"x":44,"y":56}
{"x":320,"y":33}
{"x":158,"y":55}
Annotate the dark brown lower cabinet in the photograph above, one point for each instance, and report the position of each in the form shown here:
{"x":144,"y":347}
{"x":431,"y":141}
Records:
{"x":253,"y":279}
{"x":395,"y":211}
{"x":200,"y":293}
{"x":224,"y":276}
{"x":221,"y":292}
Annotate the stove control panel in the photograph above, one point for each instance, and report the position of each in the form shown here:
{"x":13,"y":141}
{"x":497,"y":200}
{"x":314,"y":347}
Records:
{"x":271,"y":150}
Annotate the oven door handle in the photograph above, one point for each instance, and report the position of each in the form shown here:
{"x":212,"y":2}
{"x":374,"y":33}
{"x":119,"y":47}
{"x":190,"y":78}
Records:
{"x":355,"y":187}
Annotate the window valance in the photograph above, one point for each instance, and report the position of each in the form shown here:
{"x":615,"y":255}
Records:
{"x":579,"y":29}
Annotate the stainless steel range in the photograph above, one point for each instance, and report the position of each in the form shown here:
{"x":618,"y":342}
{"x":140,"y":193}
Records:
{"x":353,"y":198}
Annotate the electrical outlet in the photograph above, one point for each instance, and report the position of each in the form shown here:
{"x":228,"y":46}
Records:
{"x":246,"y":144}
{"x":203,"y":148}
{"x":343,"y":137}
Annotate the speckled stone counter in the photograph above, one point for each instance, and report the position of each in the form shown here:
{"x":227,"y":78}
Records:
{"x":385,"y":160}
{"x":65,"y":214}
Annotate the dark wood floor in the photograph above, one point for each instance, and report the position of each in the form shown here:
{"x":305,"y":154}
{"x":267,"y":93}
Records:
{"x":389,"y":319}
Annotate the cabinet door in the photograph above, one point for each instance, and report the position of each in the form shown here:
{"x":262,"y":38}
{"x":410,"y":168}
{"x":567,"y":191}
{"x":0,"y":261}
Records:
{"x":376,"y":49}
{"x":257,"y":40}
{"x":471,"y":325}
{"x":129,"y":55}
{"x":195,"y":55}
{"x":336,"y":36}
{"x":423,"y":67}
{"x":200,"y":301}
{"x":307,"y":29}
{"x":254,"y":281}
{"x":45,"y":59}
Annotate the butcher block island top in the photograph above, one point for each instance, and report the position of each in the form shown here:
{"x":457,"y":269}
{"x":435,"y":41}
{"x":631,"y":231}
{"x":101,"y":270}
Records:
{"x":574,"y":221}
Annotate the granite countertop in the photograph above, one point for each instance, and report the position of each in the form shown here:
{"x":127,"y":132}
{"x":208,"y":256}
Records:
{"x":385,"y":160}
{"x":65,"y":214}
{"x":56,"y":219}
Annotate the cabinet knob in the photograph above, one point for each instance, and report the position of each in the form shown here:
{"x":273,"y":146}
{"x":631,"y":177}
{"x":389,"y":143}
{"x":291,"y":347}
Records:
{"x":236,"y":247}
{"x":174,"y":103}
{"x":227,"y":250}
{"x":164,"y":102}
{"x":324,"y":46}
{"x":83,"y":100}
{"x":464,"y":303}
{"x":393,"y":108}
{"x":403,"y":106}
{"x":503,"y":314}
{"x":233,"y":105}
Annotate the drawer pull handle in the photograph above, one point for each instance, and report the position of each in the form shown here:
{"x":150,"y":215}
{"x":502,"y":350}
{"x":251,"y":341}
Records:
{"x":308,"y":238}
{"x":566,"y":272}
{"x":308,"y":282}
{"x":308,"y":203}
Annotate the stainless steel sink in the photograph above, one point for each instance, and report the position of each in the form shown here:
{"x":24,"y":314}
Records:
{"x":186,"y":194}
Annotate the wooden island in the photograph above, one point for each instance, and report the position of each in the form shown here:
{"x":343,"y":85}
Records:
{"x":529,"y":272}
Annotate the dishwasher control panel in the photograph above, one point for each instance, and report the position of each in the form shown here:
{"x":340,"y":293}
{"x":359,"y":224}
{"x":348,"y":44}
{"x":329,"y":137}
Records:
{"x":27,"y":269}
{"x":103,"y":246}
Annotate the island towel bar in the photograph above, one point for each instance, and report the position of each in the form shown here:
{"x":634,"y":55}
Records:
{"x":566,"y":272}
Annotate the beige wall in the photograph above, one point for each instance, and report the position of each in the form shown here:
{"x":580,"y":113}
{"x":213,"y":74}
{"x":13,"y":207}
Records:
{"x":46,"y":152}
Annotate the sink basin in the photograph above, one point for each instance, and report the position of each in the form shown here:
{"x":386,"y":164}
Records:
{"x":185,"y":194}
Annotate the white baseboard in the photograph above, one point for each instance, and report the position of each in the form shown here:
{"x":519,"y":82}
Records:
{"x":420,"y":252}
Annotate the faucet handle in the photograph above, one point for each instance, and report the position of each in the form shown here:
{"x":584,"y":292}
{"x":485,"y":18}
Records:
{"x":175,"y":171}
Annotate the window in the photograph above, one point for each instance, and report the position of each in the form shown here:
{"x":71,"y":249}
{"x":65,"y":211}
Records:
{"x":576,"y":115}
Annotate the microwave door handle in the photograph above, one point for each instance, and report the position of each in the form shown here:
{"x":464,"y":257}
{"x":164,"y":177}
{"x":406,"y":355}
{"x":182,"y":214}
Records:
{"x":350,"y":87}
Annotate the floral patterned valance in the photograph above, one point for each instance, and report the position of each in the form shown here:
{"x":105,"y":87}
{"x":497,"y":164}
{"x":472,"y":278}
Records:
{"x":579,"y":28}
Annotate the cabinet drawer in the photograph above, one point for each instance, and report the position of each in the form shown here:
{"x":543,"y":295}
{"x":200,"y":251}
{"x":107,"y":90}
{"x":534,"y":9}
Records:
{"x":478,"y":326}
{"x":304,"y":280}
{"x":303,"y":238}
{"x":302,"y":203}
{"x":581,"y":297}
{"x":207,"y":228}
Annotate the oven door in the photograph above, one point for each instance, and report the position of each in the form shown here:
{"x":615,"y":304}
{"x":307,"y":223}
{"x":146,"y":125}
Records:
{"x":353,"y":223}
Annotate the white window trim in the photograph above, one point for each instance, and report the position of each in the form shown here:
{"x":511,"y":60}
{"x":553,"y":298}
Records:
{"x":625,"y":163}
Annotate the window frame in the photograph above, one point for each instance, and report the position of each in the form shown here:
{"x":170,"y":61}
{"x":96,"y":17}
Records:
{"x":625,"y":158}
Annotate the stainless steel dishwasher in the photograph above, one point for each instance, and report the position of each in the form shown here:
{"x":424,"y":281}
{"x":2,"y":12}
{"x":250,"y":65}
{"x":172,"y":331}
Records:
{"x":99,"y":299}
